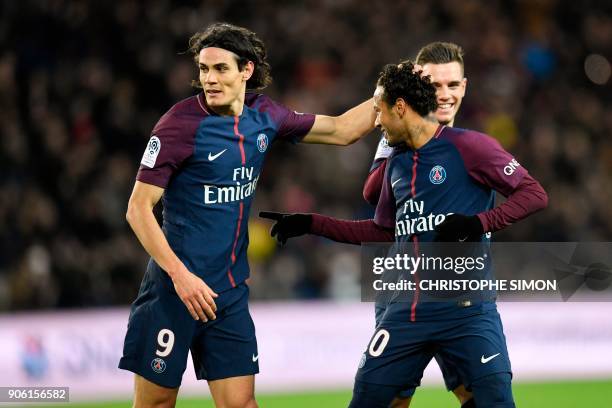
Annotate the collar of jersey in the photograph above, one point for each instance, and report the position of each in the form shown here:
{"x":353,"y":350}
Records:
{"x":435,"y":136}
{"x":202,"y":100}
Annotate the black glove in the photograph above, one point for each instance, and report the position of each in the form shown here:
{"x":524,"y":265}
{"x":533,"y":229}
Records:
{"x":459,"y":228}
{"x":288,"y":225}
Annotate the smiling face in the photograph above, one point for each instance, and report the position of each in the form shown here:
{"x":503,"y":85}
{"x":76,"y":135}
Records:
{"x":450,"y":89}
{"x":224,"y":84}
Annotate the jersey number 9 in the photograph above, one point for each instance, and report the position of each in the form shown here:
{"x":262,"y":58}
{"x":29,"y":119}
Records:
{"x":165,"y":339}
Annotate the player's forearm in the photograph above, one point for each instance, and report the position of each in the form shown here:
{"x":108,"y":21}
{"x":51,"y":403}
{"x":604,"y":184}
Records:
{"x":357,"y":122}
{"x":147,"y":230}
{"x":344,"y":129}
{"x":349,"y":232}
{"x":528,"y":198}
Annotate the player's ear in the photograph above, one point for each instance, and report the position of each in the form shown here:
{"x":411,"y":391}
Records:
{"x":464,"y":83}
{"x":400,"y":107}
{"x":247,"y":71}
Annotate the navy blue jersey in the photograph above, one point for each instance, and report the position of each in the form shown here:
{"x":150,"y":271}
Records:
{"x":456,"y":172}
{"x":209,"y":166}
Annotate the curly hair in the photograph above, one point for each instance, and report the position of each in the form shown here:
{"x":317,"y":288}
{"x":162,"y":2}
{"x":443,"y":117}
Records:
{"x":398,"y":81}
{"x":242,"y":42}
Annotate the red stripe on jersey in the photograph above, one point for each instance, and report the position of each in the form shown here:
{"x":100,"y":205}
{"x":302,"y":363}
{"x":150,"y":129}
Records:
{"x":416,"y":280}
{"x":231,"y":277}
{"x":229,"y":272}
{"x":240,"y":215}
{"x":415,"y":159}
{"x":240,"y":140}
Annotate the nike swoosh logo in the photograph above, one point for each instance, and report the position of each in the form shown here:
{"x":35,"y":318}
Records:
{"x":395,"y":182}
{"x":212,"y":157}
{"x":255,"y":358}
{"x":484,"y":360}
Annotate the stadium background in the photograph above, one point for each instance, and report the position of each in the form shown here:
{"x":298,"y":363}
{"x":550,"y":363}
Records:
{"x":83,"y":82}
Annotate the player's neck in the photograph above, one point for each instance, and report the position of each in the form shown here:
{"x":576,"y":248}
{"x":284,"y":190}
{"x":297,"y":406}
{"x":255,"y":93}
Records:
{"x":233,"y":109}
{"x":420,"y":132}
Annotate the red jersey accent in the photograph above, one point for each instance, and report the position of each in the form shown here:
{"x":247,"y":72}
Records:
{"x":415,"y":159}
{"x":229,"y":272}
{"x":240,"y":140}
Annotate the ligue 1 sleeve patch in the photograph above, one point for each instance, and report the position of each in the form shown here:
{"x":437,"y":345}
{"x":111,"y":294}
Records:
{"x":150,"y":155}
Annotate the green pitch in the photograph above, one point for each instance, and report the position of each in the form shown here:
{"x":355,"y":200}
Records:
{"x":592,"y":394}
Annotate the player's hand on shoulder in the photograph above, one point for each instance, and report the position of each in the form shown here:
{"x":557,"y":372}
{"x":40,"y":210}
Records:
{"x":459,"y":228}
{"x":197,"y":296}
{"x":287,"y":225}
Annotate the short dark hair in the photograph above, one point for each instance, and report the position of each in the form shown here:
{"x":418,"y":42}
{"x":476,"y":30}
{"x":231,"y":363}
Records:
{"x":242,"y":42}
{"x":398,"y":81}
{"x":441,"y":53}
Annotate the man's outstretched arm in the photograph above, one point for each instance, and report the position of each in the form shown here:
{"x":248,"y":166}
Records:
{"x":345,"y":129}
{"x":345,"y":231}
{"x":350,"y":232}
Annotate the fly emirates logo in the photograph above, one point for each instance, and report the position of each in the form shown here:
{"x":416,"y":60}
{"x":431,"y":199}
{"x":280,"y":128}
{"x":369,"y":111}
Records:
{"x":415,"y":221}
{"x":245,"y":180}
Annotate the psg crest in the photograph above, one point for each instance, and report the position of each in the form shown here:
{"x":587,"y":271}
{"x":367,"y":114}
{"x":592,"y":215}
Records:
{"x":158,"y":365}
{"x":437,"y":175}
{"x":262,"y":142}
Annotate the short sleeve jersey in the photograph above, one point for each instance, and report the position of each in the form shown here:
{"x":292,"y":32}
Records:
{"x":209,"y":166}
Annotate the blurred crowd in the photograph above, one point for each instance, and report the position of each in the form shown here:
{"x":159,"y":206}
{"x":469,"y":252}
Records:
{"x":83,"y":82}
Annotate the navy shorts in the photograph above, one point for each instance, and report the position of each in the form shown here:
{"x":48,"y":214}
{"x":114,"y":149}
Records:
{"x":161,"y":332}
{"x":397,"y":354}
{"x":449,"y":372}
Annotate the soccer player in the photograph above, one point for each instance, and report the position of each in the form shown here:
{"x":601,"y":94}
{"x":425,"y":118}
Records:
{"x":441,"y":171}
{"x":443,"y":62}
{"x":204,"y":159}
